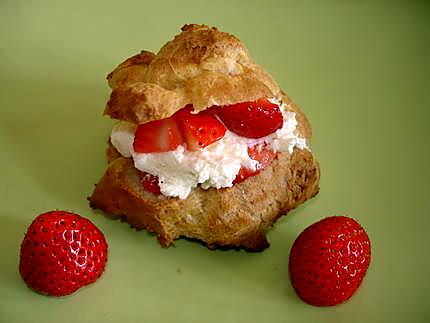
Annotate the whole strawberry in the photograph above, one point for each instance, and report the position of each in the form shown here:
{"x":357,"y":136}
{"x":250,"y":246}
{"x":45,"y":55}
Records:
{"x":61,"y":252}
{"x":329,"y":260}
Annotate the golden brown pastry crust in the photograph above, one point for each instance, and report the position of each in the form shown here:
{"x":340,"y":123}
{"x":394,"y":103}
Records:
{"x":204,"y":67}
{"x":201,"y":66}
{"x":238,"y":216}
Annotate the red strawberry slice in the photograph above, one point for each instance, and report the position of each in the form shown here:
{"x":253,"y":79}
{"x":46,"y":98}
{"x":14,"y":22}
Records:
{"x":198,"y":130}
{"x":150,"y":183}
{"x":261,"y":153}
{"x":329,"y":260}
{"x":61,"y":252}
{"x":157,"y":136}
{"x":251,"y":119}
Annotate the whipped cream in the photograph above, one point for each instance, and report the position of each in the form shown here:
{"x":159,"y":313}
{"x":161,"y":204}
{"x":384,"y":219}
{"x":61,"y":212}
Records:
{"x":216,"y":165}
{"x":122,"y":137}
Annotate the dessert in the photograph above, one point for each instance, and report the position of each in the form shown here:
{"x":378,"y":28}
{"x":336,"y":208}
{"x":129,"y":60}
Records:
{"x":207,"y":145}
{"x":329,"y":260}
{"x":61,"y":252}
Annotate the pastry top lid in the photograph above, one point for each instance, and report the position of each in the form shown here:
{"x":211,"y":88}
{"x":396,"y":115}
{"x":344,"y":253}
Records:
{"x":201,"y":66}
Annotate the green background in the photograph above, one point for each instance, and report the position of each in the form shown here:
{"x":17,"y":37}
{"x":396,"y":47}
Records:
{"x":359,"y":69}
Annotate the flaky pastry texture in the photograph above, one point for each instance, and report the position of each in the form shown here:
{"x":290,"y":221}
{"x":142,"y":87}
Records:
{"x":201,"y":66}
{"x":231,"y":217}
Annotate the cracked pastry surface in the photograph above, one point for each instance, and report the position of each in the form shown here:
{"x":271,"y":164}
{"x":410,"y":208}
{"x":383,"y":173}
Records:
{"x":203,"y":67}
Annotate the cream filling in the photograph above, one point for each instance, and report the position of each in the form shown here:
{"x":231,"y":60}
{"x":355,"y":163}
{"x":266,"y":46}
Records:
{"x":216,"y":165}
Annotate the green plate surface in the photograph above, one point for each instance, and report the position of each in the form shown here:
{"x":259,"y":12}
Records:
{"x":359,"y":69}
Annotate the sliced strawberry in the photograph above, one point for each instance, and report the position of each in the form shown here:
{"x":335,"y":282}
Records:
{"x":157,"y":136}
{"x":150,"y":183}
{"x":198,"y":130}
{"x":251,"y":119}
{"x":261,"y":153}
